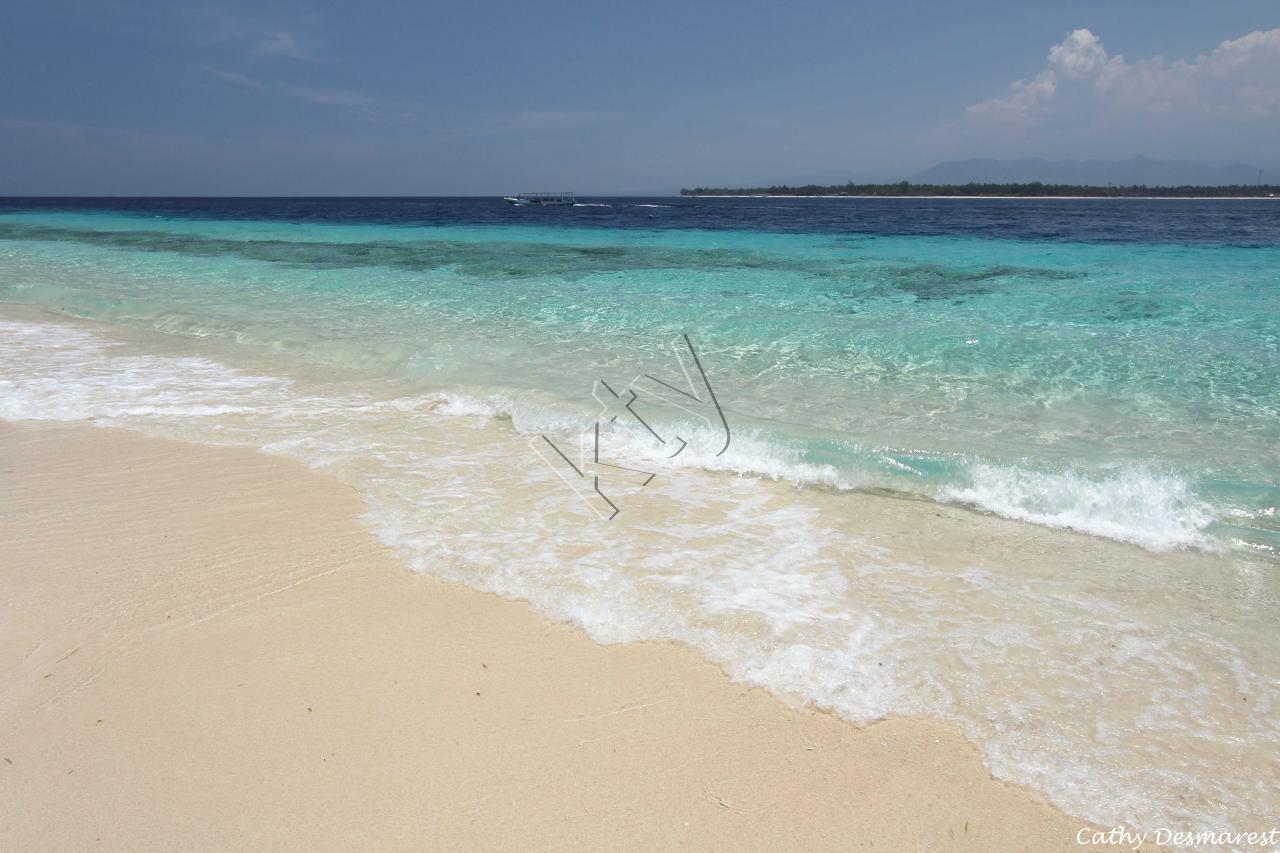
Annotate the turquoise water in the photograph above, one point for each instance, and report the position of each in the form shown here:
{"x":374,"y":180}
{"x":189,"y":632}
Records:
{"x":894,"y":378}
{"x":1124,"y":389}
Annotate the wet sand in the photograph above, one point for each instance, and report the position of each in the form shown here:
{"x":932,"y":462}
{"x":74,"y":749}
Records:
{"x":202,"y":648}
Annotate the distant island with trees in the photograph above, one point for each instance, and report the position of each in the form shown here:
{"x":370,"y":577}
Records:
{"x":1034,"y":189}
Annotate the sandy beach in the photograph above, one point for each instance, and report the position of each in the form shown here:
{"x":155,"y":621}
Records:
{"x":203,"y":649}
{"x":388,"y":463}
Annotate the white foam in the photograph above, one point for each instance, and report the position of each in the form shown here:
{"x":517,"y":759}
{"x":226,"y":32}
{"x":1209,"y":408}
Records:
{"x":1141,"y":506}
{"x":748,"y":453}
{"x":60,"y":388}
{"x":1047,"y":674}
{"x":1157,"y":511}
{"x":465,"y":405}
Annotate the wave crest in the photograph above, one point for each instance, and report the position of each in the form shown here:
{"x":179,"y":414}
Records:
{"x":1157,"y":511}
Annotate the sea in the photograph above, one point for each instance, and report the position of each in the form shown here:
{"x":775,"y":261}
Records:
{"x":1009,"y":463}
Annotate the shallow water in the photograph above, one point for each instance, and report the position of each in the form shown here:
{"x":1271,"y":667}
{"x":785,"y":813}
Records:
{"x":1088,"y":366}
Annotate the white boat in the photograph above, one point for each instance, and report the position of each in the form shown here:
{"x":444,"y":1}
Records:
{"x":540,"y":199}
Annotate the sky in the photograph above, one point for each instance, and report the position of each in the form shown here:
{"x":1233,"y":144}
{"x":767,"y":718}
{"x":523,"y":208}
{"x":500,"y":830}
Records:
{"x":143,"y":97}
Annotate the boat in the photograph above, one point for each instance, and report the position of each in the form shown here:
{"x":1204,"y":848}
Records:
{"x":540,"y":199}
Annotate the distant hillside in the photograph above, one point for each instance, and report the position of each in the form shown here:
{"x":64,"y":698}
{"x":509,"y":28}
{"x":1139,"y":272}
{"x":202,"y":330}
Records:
{"x":1144,"y":171}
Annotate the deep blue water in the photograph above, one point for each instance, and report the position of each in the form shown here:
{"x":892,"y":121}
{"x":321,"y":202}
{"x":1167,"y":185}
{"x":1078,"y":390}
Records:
{"x":1233,"y":222}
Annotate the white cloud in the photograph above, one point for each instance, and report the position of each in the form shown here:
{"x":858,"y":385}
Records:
{"x":1080,"y":55}
{"x":1239,"y":78}
{"x":263,"y":36}
{"x":282,"y":44}
{"x":235,"y":77}
{"x":1025,"y":101}
{"x":368,"y":106}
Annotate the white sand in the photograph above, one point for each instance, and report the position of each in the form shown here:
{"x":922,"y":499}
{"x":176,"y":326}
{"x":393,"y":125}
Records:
{"x":202,"y":649}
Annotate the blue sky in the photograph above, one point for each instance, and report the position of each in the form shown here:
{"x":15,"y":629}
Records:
{"x":120,"y":97}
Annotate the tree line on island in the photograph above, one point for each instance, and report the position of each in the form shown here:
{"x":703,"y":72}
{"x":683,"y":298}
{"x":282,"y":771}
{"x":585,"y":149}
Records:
{"x":1034,"y":189}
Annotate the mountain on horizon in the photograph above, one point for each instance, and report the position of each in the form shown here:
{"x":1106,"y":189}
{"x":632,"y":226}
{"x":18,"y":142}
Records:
{"x":1139,"y":170}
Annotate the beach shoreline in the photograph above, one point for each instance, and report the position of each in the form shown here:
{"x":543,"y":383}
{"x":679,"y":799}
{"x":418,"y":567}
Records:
{"x":206,"y":650}
{"x":1006,"y":514}
{"x":983,"y":582}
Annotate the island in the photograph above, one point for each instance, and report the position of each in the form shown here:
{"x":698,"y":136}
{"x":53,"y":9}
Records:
{"x":1034,"y":189}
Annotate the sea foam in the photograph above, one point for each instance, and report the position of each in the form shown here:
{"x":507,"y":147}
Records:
{"x":1046,"y":673}
{"x":1137,"y":505}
